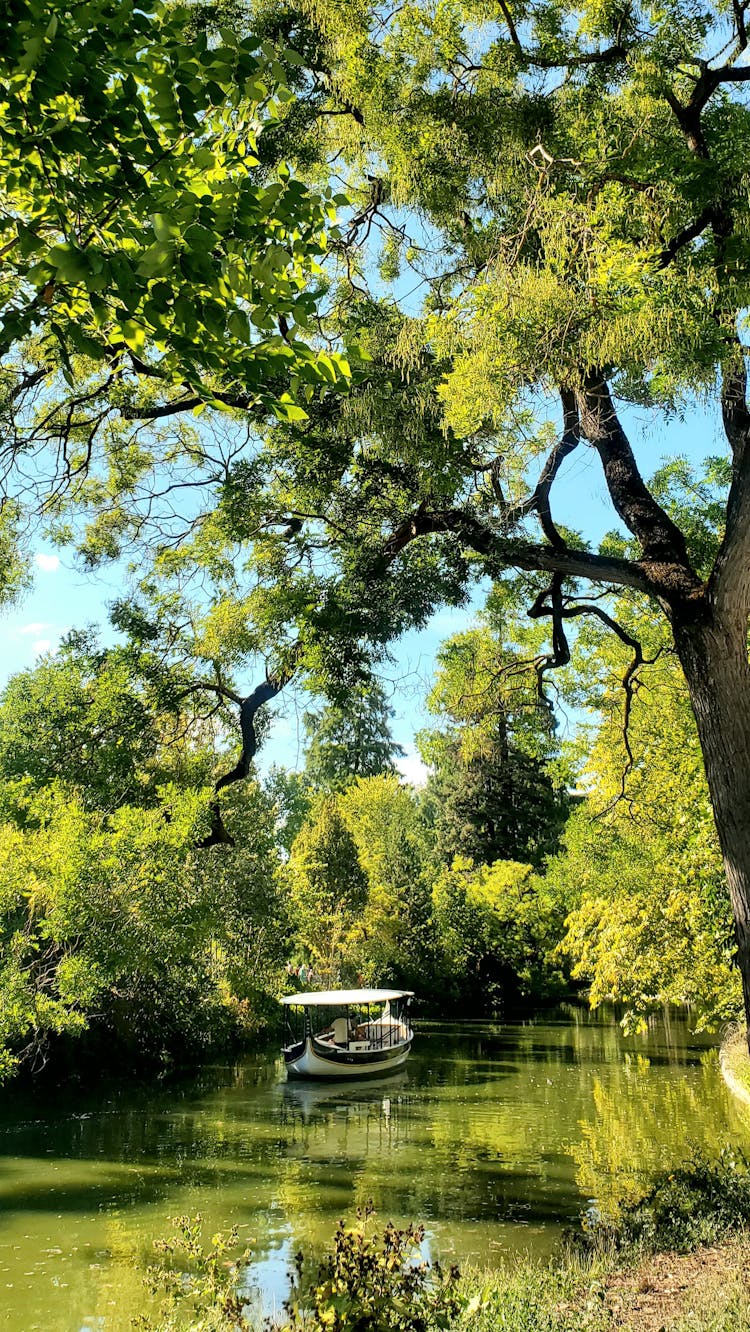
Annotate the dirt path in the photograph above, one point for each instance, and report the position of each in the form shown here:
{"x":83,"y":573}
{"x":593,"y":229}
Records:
{"x":653,"y":1296}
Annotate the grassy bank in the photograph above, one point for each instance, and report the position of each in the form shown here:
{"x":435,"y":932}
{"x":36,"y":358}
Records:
{"x":705,"y":1290}
{"x":735,"y":1063}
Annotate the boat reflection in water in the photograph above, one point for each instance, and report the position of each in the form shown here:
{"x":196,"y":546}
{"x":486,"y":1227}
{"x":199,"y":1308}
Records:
{"x":316,"y":1100}
{"x":347,"y":1033}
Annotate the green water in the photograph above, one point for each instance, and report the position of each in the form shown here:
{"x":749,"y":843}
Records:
{"x":494,"y":1136}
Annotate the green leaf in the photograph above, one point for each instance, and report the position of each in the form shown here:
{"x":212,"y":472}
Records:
{"x":289,"y":411}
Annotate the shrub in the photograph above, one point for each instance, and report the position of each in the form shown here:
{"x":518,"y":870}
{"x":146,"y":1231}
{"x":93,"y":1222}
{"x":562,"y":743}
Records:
{"x":201,"y":1284}
{"x":373,"y":1283}
{"x":700,"y":1202}
{"x":370,"y":1282}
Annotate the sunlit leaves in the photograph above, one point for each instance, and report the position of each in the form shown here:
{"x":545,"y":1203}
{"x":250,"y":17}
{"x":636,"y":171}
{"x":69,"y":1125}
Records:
{"x":136,"y":218}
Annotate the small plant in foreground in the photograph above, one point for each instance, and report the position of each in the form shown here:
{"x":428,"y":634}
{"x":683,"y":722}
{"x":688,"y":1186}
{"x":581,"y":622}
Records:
{"x":373,"y":1282}
{"x":201,"y":1284}
{"x":369,"y":1282}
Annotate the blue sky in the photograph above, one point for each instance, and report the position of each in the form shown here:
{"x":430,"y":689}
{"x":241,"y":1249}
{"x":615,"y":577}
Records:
{"x":64,"y":597}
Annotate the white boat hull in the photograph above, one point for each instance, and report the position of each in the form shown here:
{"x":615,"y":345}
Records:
{"x":309,"y":1062}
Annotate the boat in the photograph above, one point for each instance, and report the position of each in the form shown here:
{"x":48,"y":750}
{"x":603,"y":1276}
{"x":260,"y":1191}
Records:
{"x":336,"y":1033}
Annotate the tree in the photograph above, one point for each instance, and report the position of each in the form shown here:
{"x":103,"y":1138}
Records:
{"x":586,"y":171}
{"x":394,"y":939}
{"x":327,"y":888}
{"x":497,"y":928}
{"x":115,"y":923}
{"x":349,"y":740}
{"x":113,"y":926}
{"x":496,"y":791}
{"x":497,"y":806}
{"x":80,"y":715}
{"x":641,"y":869}
{"x":291,"y":799}
{"x":579,"y":179}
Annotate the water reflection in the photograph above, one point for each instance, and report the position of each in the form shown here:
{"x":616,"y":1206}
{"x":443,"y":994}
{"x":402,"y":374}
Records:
{"x":493,"y":1136}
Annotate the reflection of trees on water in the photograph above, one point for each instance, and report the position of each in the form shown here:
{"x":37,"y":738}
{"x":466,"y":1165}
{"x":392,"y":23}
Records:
{"x":488,"y":1127}
{"x":638,"y":1125}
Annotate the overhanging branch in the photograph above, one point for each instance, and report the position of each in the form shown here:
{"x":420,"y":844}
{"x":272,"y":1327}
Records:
{"x":502,"y":552}
{"x":539,"y":501}
{"x":248,"y":711}
{"x":552,"y":603}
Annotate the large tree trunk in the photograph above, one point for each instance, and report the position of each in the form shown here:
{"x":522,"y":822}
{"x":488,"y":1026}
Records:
{"x":714,"y":658}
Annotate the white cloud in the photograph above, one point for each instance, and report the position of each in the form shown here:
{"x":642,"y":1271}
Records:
{"x":36,"y":627}
{"x":412,"y":769}
{"x":47,"y":563}
{"x":41,"y":645}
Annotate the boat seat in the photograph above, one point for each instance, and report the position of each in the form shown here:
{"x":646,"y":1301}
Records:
{"x":340,"y":1031}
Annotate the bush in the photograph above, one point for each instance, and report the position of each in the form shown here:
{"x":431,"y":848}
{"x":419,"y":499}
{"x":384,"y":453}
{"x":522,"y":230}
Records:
{"x":202,"y":1285}
{"x":369,"y":1282}
{"x":373,"y":1283}
{"x":701,"y":1202}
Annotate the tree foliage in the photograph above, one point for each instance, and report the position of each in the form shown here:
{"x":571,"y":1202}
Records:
{"x":496,"y":790}
{"x":112,"y":921}
{"x":497,"y":928}
{"x":141,"y":230}
{"x":641,"y":864}
{"x":327,"y":888}
{"x":564,"y":192}
{"x":80,"y":713}
{"x":351,"y":739}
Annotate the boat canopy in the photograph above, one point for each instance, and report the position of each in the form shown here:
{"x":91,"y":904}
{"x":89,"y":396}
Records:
{"x":333,"y":998}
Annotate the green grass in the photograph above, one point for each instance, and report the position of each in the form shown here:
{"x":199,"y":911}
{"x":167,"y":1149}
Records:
{"x":566,"y":1296}
{"x":572,"y":1296}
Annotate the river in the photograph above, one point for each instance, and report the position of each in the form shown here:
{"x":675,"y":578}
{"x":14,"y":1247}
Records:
{"x":495,"y":1137}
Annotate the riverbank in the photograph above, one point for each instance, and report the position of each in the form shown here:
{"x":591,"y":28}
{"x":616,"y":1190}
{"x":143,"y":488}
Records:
{"x":704,"y":1290}
{"x":675,"y":1260}
{"x":734,"y":1060}
{"x":707,"y":1290}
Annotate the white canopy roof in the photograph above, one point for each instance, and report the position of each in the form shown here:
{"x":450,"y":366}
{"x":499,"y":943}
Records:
{"x":337,"y":997}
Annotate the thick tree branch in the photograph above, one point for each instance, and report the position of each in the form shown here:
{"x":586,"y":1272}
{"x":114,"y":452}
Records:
{"x":560,"y":654}
{"x":502,"y":552}
{"x":689,"y":233}
{"x":248,"y":710}
{"x":539,"y":500}
{"x":663,"y":547}
{"x":735,"y":413}
{"x":738,"y":9}
{"x":729,"y":584}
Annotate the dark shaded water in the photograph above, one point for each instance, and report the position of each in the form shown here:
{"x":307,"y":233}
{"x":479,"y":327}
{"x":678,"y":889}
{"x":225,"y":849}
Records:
{"x":494,"y":1136}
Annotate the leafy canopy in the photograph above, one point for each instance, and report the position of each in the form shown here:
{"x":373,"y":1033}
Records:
{"x":140,"y":228}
